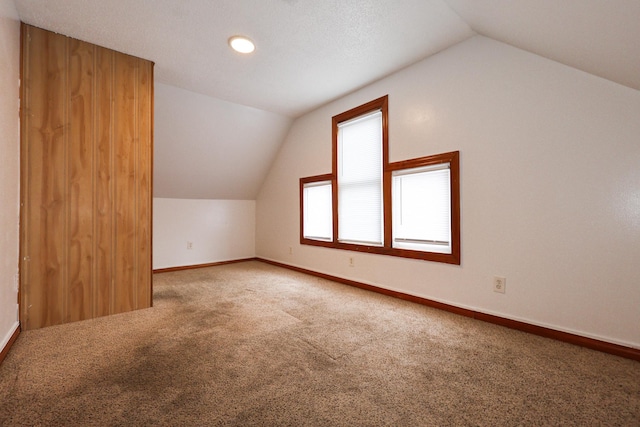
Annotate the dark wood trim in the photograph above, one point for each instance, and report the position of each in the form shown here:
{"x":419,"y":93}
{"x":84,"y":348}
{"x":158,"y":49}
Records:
{"x":386,"y":184}
{"x":210,"y":264}
{"x":387,"y":204}
{"x":381,"y":104}
{"x":591,"y":343}
{"x":307,"y":180}
{"x":7,"y":347}
{"x":334,"y":172}
{"x":452,"y":158}
{"x":377,"y":104}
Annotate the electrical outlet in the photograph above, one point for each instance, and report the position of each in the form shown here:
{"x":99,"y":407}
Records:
{"x":352,"y":262}
{"x":189,"y":245}
{"x":499,"y":284}
{"x":290,"y":250}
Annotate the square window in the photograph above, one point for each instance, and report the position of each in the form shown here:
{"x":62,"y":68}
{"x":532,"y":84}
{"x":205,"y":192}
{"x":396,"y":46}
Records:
{"x":422,"y":208}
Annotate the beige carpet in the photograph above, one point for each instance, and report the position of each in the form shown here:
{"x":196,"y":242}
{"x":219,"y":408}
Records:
{"x":253,"y":344}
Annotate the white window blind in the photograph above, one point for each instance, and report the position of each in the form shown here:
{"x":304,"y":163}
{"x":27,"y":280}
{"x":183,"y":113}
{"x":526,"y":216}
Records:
{"x":422,"y":208}
{"x":360,"y":180}
{"x":318,"y":211}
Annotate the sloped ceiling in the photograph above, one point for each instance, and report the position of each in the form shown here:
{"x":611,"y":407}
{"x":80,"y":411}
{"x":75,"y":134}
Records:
{"x":596,"y":36}
{"x":219,"y":113}
{"x":207,"y":148}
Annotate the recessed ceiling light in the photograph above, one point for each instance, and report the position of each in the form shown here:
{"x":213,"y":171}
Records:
{"x":241,"y":44}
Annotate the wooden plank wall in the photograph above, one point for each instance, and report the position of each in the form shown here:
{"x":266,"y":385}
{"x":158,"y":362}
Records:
{"x":86,"y":172}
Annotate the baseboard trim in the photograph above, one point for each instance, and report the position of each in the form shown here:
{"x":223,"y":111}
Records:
{"x":211,"y":264}
{"x":591,"y":343}
{"x":7,"y":347}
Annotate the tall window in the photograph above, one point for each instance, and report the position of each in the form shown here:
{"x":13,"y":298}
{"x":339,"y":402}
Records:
{"x":409,"y":208}
{"x":360,"y":180}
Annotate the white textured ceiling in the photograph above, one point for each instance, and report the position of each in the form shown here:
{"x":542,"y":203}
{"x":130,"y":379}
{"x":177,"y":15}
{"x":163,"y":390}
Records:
{"x":309,"y":52}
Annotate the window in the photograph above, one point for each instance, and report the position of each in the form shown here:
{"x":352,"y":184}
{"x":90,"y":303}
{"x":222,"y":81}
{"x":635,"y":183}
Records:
{"x":422,"y":208}
{"x":360,"y":180}
{"x":317,"y":209}
{"x":409,"y":208}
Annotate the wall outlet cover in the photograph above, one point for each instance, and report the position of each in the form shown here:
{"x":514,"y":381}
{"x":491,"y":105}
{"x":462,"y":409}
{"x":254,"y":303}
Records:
{"x":499,"y":284}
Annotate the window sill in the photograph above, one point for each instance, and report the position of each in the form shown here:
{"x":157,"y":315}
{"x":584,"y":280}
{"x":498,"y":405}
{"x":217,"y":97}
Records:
{"x":452,"y":258}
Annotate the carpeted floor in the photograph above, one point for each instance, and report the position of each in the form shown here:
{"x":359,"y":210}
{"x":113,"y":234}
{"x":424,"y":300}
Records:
{"x":253,"y":344}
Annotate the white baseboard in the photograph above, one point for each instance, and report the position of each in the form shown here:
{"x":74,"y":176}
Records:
{"x":8,"y":336}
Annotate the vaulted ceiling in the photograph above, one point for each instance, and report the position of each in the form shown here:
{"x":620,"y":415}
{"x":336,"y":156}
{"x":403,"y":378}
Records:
{"x":308,"y":53}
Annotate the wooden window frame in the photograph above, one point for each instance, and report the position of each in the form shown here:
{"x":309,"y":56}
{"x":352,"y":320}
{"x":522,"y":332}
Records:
{"x":453,"y":158}
{"x":303,"y":182}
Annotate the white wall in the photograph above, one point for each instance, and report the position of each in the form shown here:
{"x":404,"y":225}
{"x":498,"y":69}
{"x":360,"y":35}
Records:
{"x":220,"y":230}
{"x":9,"y":168}
{"x":550,"y":188}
